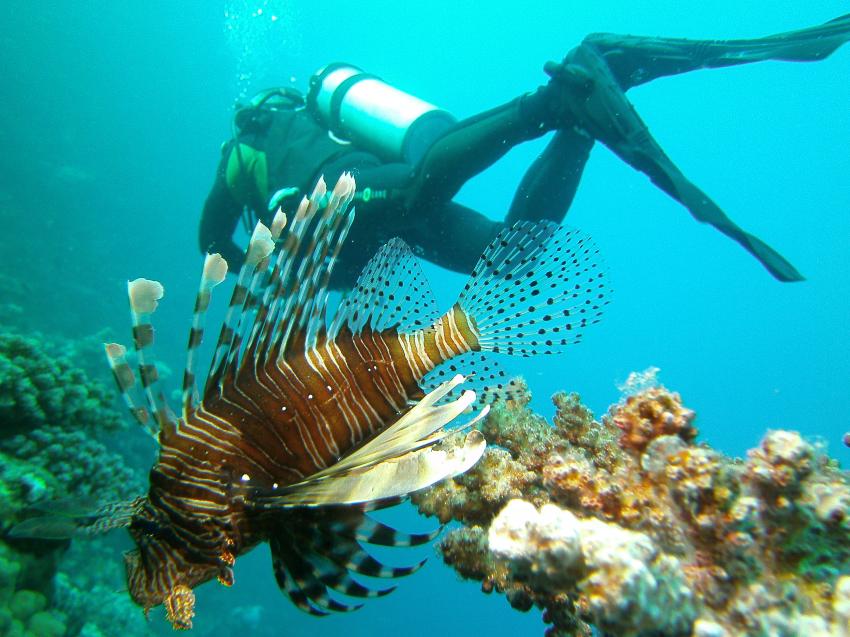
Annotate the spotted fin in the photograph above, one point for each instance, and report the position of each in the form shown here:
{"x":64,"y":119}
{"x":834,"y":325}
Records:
{"x":391,"y":292}
{"x":484,"y":375}
{"x":535,"y":289}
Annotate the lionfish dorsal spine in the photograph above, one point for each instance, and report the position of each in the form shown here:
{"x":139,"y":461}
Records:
{"x":269,"y":309}
{"x":125,"y":379}
{"x":269,"y":291}
{"x":270,"y":340}
{"x":259,"y":247}
{"x":214,"y":272}
{"x":313,"y":264}
{"x":144,"y":296}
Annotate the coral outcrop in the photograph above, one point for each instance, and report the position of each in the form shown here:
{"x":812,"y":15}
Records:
{"x":629,"y":526}
{"x":54,"y":425}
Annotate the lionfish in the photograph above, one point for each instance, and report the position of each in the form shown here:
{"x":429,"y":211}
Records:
{"x":304,"y":425}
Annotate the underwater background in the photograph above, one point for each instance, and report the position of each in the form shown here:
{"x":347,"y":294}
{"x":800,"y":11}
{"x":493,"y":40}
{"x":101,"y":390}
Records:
{"x":114,"y":112}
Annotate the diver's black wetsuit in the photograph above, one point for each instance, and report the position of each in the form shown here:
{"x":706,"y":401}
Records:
{"x":584,"y":102}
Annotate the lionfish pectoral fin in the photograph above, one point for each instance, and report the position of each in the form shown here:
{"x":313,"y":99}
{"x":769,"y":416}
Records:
{"x":316,"y":551}
{"x":399,"y":460}
{"x":397,"y":476}
{"x":424,"y":424}
{"x":72,"y":517}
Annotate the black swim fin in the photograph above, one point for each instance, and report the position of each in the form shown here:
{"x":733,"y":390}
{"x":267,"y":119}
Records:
{"x":635,"y":60}
{"x":607,"y":115}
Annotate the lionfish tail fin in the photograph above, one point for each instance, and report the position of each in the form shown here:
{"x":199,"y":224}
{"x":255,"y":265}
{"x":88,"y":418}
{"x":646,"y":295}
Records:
{"x":534,"y":290}
{"x":317,"y":551}
{"x":399,"y":460}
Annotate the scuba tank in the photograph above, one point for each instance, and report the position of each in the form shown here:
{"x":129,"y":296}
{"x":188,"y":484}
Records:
{"x":364,"y":109}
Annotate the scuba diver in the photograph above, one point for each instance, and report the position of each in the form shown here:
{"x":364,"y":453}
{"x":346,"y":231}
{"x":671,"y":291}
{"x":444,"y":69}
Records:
{"x":410,"y":158}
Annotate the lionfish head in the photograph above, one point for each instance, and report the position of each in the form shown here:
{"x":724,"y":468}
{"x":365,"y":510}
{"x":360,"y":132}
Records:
{"x":162,"y":569}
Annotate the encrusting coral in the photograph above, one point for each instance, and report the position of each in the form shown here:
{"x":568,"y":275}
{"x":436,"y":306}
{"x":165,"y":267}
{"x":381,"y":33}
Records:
{"x":629,"y":526}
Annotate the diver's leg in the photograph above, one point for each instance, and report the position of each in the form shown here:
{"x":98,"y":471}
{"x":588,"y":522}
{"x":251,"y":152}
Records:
{"x":549,"y":185}
{"x":477,"y":142}
{"x":634,"y":60}
{"x":606,"y":114}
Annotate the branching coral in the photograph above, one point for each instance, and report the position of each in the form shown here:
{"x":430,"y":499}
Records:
{"x":629,"y":526}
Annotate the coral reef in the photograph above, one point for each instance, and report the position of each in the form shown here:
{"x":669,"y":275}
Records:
{"x":630,"y":527}
{"x":55,"y":422}
{"x":38,"y":388}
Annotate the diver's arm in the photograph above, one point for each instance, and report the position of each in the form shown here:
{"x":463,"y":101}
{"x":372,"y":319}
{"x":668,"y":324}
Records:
{"x":220,"y":216}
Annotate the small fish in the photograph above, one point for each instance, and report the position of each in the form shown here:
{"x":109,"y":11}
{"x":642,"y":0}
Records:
{"x":304,"y":425}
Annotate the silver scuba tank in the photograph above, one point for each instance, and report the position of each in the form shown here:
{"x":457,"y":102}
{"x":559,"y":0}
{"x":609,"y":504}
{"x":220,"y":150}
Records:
{"x":364,"y":109}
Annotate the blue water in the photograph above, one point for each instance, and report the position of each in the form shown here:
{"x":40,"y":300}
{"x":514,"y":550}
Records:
{"x":114,"y":113}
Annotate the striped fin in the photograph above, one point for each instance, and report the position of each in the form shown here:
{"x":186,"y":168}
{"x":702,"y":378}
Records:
{"x":371,"y":531}
{"x":535,"y":289}
{"x":312,"y":313}
{"x":144,"y":296}
{"x":276,"y":228}
{"x":349,"y":555}
{"x":334,"y":576}
{"x":293,"y":259}
{"x":214,"y":272}
{"x":287,"y":581}
{"x":353,"y":523}
{"x":116,"y":354}
{"x":314,"y":552}
{"x":392,"y":291}
{"x":397,"y":461}
{"x":280,"y":295}
{"x":299,"y":579}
